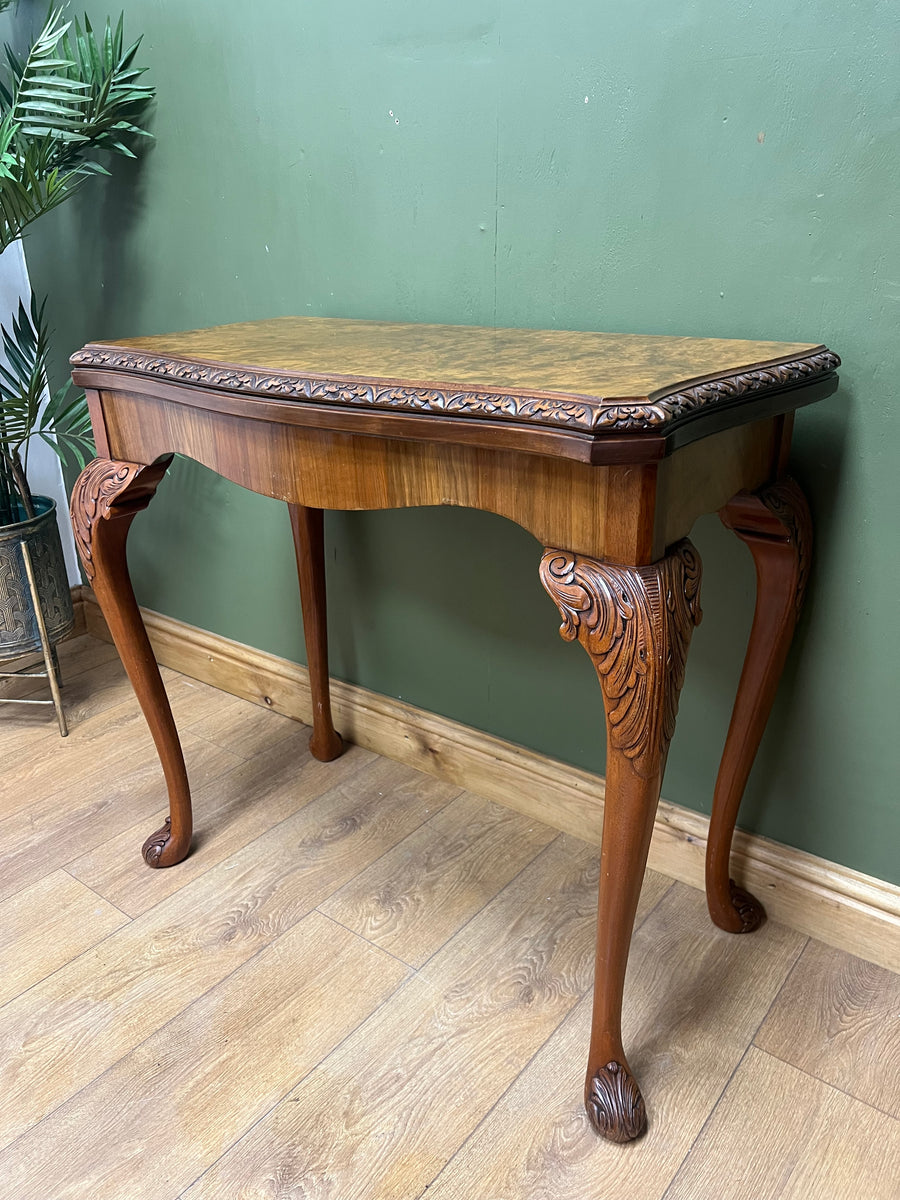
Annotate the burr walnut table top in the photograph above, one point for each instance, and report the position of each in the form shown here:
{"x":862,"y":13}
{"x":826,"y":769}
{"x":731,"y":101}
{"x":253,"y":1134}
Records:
{"x":659,"y":392}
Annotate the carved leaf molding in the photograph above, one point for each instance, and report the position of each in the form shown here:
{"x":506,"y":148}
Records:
{"x":586,"y":414}
{"x":96,"y":490}
{"x":636,"y":625}
{"x":106,"y":488}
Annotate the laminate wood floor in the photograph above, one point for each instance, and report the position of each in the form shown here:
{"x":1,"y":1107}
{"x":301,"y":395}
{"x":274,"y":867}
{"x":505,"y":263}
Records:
{"x":366,"y":983}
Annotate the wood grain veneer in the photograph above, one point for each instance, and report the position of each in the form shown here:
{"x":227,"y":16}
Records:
{"x":656,"y":391}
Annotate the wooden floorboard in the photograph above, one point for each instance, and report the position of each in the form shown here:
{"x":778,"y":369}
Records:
{"x":80,"y":806}
{"x":416,"y":897}
{"x":809,"y":1142}
{"x":230,"y":812}
{"x":689,"y":1017}
{"x":839,"y":1019}
{"x":380,"y":1115}
{"x":46,"y":925}
{"x":365,"y":983}
{"x":180,"y":1098}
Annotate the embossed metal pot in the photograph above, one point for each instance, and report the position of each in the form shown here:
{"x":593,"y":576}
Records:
{"x":19,"y":633}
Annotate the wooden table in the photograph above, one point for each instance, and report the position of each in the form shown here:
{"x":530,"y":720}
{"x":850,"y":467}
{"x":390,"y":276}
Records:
{"x":606,"y":447}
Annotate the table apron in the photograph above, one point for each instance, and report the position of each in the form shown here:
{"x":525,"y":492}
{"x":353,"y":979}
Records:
{"x":625,"y":513}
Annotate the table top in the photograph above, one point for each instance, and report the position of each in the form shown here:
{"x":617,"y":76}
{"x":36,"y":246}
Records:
{"x":581,"y":382}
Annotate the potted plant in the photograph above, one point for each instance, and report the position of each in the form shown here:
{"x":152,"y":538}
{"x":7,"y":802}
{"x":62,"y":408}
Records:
{"x":70,"y":97}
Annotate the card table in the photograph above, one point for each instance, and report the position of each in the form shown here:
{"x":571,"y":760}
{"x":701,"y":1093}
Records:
{"x":606,"y":447}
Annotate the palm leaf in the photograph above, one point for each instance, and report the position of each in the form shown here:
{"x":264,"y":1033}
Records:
{"x":63,"y":422}
{"x":8,"y":160}
{"x":78,"y":92}
{"x":113,"y":98}
{"x":65,"y":425}
{"x":70,"y":95}
{"x":22,"y":376}
{"x":31,"y":185}
{"x":47,"y":98}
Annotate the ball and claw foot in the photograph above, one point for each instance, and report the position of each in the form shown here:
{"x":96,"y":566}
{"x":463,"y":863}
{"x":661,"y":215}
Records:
{"x":749,"y":910}
{"x":615,"y":1105}
{"x":160,"y":850}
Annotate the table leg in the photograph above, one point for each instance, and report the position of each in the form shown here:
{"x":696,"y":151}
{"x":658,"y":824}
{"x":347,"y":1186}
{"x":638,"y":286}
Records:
{"x":308,"y":526}
{"x":105,"y":499}
{"x":636,"y":625}
{"x":776,"y":525}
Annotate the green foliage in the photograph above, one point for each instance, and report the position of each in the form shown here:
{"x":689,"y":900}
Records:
{"x":63,"y":423}
{"x":73,"y":96}
{"x":69,"y":98}
{"x":115,"y":99}
{"x":30,"y":183}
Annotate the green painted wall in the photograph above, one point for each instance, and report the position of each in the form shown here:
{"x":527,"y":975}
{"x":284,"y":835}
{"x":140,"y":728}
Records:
{"x":693,"y":168}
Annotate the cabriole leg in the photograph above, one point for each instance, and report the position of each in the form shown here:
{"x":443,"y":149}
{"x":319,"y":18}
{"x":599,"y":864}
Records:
{"x":105,"y":499}
{"x":776,"y":525}
{"x":636,"y":625}
{"x":308,"y":526}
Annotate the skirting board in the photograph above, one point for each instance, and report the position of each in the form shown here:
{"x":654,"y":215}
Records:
{"x":835,"y":904}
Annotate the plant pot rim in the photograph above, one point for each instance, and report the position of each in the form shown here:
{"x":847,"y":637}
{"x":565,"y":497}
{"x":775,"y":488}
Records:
{"x":30,"y":522}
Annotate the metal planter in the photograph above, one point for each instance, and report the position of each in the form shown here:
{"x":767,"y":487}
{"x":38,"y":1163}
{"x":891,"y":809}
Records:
{"x":19,"y":630}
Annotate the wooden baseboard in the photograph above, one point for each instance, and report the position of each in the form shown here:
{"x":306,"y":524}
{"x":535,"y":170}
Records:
{"x":845,"y":908}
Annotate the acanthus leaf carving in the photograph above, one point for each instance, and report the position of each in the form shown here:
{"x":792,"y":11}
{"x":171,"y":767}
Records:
{"x":636,"y":624}
{"x":103,"y":485}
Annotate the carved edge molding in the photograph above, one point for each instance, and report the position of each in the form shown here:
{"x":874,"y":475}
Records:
{"x":102,"y":487}
{"x":636,"y":625}
{"x":615,"y":1105}
{"x":683,"y":402}
{"x":585,"y":414}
